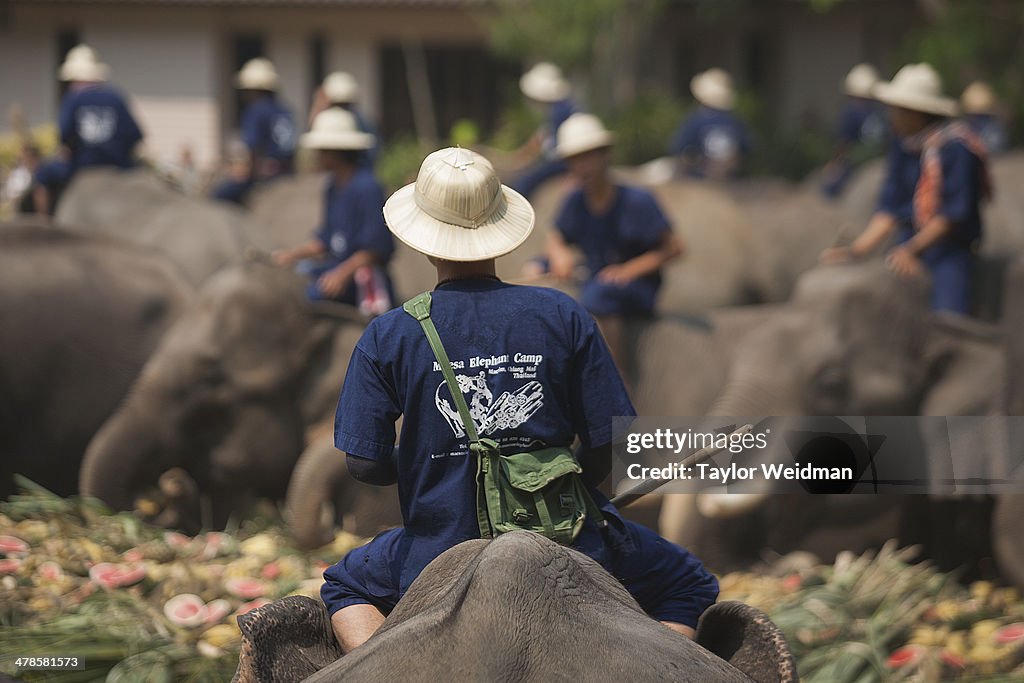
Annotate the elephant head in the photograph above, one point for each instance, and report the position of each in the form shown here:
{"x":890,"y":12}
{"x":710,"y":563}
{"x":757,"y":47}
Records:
{"x":227,"y":396}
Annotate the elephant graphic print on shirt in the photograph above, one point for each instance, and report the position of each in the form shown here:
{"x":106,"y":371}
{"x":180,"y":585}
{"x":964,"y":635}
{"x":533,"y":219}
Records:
{"x":490,"y":415}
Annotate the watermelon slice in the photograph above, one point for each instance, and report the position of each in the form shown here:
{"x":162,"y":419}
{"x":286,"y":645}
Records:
{"x":187,"y":610}
{"x":246,"y":589}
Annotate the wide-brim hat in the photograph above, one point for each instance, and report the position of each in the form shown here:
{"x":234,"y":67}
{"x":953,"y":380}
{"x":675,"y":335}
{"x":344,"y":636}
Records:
{"x":861,"y":81}
{"x":582,"y":133}
{"x":458,"y":210}
{"x":979,"y":98}
{"x":257,"y":74}
{"x":713,"y":88}
{"x":336,"y":129}
{"x":340,"y":87}
{"x":545,"y":83}
{"x":83,"y":64}
{"x":917,"y":87}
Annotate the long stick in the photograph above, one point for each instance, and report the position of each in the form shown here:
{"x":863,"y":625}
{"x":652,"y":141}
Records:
{"x":649,"y":485}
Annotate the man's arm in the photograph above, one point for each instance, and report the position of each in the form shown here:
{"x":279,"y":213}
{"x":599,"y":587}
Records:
{"x":334,"y":281}
{"x":561,"y":257}
{"x":311,"y":249}
{"x":879,"y":228}
{"x":649,"y":262}
{"x":371,"y":471}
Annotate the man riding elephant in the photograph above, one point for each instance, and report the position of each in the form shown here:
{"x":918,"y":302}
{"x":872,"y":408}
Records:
{"x":549,"y":379}
{"x":937,"y":179}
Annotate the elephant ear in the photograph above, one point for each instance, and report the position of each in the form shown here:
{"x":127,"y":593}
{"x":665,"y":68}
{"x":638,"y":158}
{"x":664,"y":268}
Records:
{"x":288,"y":640}
{"x":746,"y":638}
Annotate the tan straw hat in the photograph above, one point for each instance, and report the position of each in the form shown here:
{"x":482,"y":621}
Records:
{"x":458,"y":210}
{"x":83,"y":64}
{"x":919,"y":88}
{"x":257,"y":74}
{"x":861,"y":81}
{"x":979,"y":98}
{"x":341,"y":88}
{"x":713,"y":88}
{"x":545,"y":83}
{"x":336,"y":129}
{"x":582,"y":133}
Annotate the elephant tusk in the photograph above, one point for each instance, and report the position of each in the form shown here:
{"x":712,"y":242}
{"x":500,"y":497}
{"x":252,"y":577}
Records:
{"x":728,"y":505}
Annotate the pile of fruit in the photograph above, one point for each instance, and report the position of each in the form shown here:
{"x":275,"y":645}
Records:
{"x":138,"y":603}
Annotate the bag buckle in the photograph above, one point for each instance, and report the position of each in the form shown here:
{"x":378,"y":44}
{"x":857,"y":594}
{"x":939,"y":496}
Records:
{"x":520,"y":516}
{"x":566,"y":501}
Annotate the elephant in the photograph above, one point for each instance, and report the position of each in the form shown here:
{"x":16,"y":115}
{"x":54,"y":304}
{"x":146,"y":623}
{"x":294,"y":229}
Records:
{"x":197,"y":234}
{"x":854,"y":340}
{"x":518,"y":607}
{"x":229,"y":394}
{"x":81,"y":314}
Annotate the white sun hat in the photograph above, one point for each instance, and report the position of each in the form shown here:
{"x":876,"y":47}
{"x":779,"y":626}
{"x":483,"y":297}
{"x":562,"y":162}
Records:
{"x":257,"y":74}
{"x":979,"y":98}
{"x":582,"y":133}
{"x":340,"y":87}
{"x":83,"y":64}
{"x":458,"y":210}
{"x":861,"y":81}
{"x":714,"y":88}
{"x":336,"y":129}
{"x":919,"y":88}
{"x":545,"y":83}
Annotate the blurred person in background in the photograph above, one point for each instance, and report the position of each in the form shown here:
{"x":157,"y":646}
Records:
{"x":267,"y":129}
{"x":546,"y":85}
{"x":930,"y":201}
{"x":981,"y":112}
{"x":96,"y":127}
{"x":623,"y":233}
{"x":341,"y":90}
{"x":862,"y":128}
{"x":712,"y":142}
{"x":19,"y":185}
{"x":348,"y":255}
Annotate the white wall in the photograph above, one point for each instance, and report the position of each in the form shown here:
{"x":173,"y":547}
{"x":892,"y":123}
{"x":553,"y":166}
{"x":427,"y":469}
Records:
{"x":28,"y":71}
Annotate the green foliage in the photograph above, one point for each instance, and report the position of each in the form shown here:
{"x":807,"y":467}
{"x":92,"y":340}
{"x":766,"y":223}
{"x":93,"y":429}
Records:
{"x":515,"y":126}
{"x":645,"y":127}
{"x":400,"y":161}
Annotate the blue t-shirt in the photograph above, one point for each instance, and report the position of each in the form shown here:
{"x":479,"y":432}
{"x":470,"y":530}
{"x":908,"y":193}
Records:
{"x":534,"y":371}
{"x":991,"y":131}
{"x":353,"y":218}
{"x":713,"y":135}
{"x":558,"y":112}
{"x":862,"y":122}
{"x":961,"y":189}
{"x":633,"y":225}
{"x":268,"y":129}
{"x":97,"y":127}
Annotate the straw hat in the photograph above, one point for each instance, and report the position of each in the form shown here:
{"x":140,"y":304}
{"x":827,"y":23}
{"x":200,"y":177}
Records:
{"x":458,"y":210}
{"x":83,"y":64}
{"x":341,"y":88}
{"x":582,"y":133}
{"x":336,"y":129}
{"x":257,"y":74}
{"x":545,"y":83}
{"x":919,"y":88}
{"x":861,"y":81}
{"x":713,"y":88}
{"x":979,"y":98}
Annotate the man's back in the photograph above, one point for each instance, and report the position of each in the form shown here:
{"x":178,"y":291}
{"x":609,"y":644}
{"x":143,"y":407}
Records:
{"x":98,"y":128}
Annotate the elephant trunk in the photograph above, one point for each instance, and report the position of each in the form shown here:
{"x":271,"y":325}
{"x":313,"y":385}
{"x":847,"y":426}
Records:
{"x":317,"y":480}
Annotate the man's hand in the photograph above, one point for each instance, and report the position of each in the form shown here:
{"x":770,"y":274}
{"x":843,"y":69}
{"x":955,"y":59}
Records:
{"x":616,"y":274}
{"x":283,"y":257}
{"x":563,"y":264}
{"x":904,"y":262}
{"x":333,"y":282}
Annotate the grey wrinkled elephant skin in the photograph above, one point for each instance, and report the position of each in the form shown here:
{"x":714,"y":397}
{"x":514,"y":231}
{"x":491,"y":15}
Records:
{"x":519,"y":608}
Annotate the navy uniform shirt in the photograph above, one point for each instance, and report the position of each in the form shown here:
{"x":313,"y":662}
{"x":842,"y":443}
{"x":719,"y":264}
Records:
{"x":862,"y":122}
{"x":712,"y":134}
{"x":991,"y":131}
{"x":633,"y":225}
{"x":558,"y":112}
{"x":268,"y":129}
{"x":534,"y":371}
{"x":961,"y":189}
{"x":97,"y":127}
{"x":353,"y":218}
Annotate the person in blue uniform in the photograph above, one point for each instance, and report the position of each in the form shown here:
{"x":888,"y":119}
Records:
{"x":623,"y":234}
{"x":861,"y":132}
{"x":981,"y":112}
{"x":347,"y":258}
{"x":930,"y":201}
{"x":712,"y":142}
{"x":536,"y":373}
{"x":341,"y":90}
{"x":268,"y":131}
{"x":95,"y":124}
{"x":545,"y":84}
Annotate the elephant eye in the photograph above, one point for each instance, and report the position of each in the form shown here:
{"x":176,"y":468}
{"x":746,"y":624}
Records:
{"x":832,"y":381}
